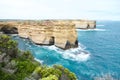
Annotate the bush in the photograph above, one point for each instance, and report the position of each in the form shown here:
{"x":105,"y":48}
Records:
{"x":69,"y":75}
{"x":24,"y":68}
{"x":8,"y":46}
{"x":24,"y":65}
{"x":51,"y":77}
{"x":6,"y":76}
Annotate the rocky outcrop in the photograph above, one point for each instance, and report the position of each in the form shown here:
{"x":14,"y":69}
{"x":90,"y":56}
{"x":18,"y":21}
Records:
{"x":85,"y":24}
{"x":61,"y":33}
{"x":50,"y":33}
{"x":79,"y":24}
{"x":8,"y":29}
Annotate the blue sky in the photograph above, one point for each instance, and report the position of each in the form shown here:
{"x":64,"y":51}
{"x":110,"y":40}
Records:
{"x":60,"y":9}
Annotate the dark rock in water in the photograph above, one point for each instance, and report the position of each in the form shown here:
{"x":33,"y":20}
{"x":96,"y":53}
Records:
{"x":69,"y":45}
{"x":9,"y":29}
{"x":85,"y":52}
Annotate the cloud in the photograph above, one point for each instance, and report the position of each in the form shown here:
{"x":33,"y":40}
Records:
{"x":60,"y":9}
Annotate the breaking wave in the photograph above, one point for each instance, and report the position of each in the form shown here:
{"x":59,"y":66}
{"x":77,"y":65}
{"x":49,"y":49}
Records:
{"x":81,"y":56}
{"x":74,"y":54}
{"x":91,"y":29}
{"x":100,"y":25}
{"x":38,"y":60}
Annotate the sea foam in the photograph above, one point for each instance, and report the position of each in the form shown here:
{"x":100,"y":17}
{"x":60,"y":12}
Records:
{"x":38,"y":60}
{"x":74,"y":54}
{"x":100,"y":25}
{"x":97,"y":29}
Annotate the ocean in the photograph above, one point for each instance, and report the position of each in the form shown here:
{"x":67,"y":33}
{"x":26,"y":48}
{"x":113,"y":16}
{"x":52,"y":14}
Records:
{"x":96,"y":58}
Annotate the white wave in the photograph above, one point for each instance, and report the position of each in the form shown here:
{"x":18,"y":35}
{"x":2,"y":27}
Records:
{"x":97,"y":29}
{"x":81,"y":56}
{"x":100,"y":25}
{"x":13,"y":35}
{"x":74,"y":54}
{"x":53,"y":47}
{"x":40,"y":61}
{"x":100,"y":29}
{"x":24,"y":39}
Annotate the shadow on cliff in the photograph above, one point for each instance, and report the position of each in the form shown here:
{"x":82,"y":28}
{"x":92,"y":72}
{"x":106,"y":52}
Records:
{"x":8,"y":29}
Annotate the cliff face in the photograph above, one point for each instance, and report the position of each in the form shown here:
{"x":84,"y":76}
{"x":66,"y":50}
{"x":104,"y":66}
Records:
{"x":8,"y":29}
{"x":79,"y":24}
{"x":61,"y":33}
{"x":85,"y":24}
{"x":50,"y":33}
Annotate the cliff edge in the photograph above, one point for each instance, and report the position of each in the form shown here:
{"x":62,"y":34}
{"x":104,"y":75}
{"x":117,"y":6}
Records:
{"x":50,"y":33}
{"x":61,"y":33}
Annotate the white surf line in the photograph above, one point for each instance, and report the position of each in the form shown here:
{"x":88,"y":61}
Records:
{"x":74,"y":54}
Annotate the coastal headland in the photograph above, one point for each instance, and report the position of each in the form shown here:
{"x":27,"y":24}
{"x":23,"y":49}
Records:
{"x":61,"y":33}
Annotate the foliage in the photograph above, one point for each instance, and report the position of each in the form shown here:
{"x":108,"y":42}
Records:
{"x":24,"y":65}
{"x":6,"y":76}
{"x":45,"y":72}
{"x":25,"y":68}
{"x":26,"y":55}
{"x":65,"y":71}
{"x":57,"y":70}
{"x":51,"y":77}
{"x":8,"y":46}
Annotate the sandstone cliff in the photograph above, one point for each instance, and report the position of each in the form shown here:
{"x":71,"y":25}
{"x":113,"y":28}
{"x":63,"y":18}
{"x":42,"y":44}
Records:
{"x":85,"y":24}
{"x":50,"y":33}
{"x":79,"y":24}
{"x":61,"y":33}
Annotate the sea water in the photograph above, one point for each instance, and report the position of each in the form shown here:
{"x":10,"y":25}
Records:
{"x":96,"y":58}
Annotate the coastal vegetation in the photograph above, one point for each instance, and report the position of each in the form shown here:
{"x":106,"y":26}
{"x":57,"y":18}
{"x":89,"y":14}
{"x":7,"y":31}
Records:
{"x":20,"y":65}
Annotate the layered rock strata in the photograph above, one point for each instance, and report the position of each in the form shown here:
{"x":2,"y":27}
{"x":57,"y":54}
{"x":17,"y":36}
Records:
{"x":85,"y":24}
{"x":79,"y":24}
{"x":61,"y":33}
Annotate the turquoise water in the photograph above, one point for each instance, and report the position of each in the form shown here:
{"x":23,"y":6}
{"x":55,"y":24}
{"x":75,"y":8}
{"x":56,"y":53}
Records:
{"x":103,"y":52}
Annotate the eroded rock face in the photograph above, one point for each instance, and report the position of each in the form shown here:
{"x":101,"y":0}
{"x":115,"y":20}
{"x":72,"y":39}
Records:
{"x":85,"y":24}
{"x":8,"y":29}
{"x":61,"y":33}
{"x":79,"y":24}
{"x":50,"y":33}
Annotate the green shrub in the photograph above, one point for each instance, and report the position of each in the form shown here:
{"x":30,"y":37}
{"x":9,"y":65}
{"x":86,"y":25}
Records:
{"x":50,"y":77}
{"x":6,"y":76}
{"x":24,"y":68}
{"x":25,"y":64}
{"x":8,"y":46}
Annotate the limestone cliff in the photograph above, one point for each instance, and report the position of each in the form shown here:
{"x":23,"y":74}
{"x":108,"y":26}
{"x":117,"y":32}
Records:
{"x":50,"y":33}
{"x":8,"y":29}
{"x":85,"y":24}
{"x":79,"y":24}
{"x":61,"y":33}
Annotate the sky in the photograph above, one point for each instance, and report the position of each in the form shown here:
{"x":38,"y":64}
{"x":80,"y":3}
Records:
{"x":60,"y":9}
